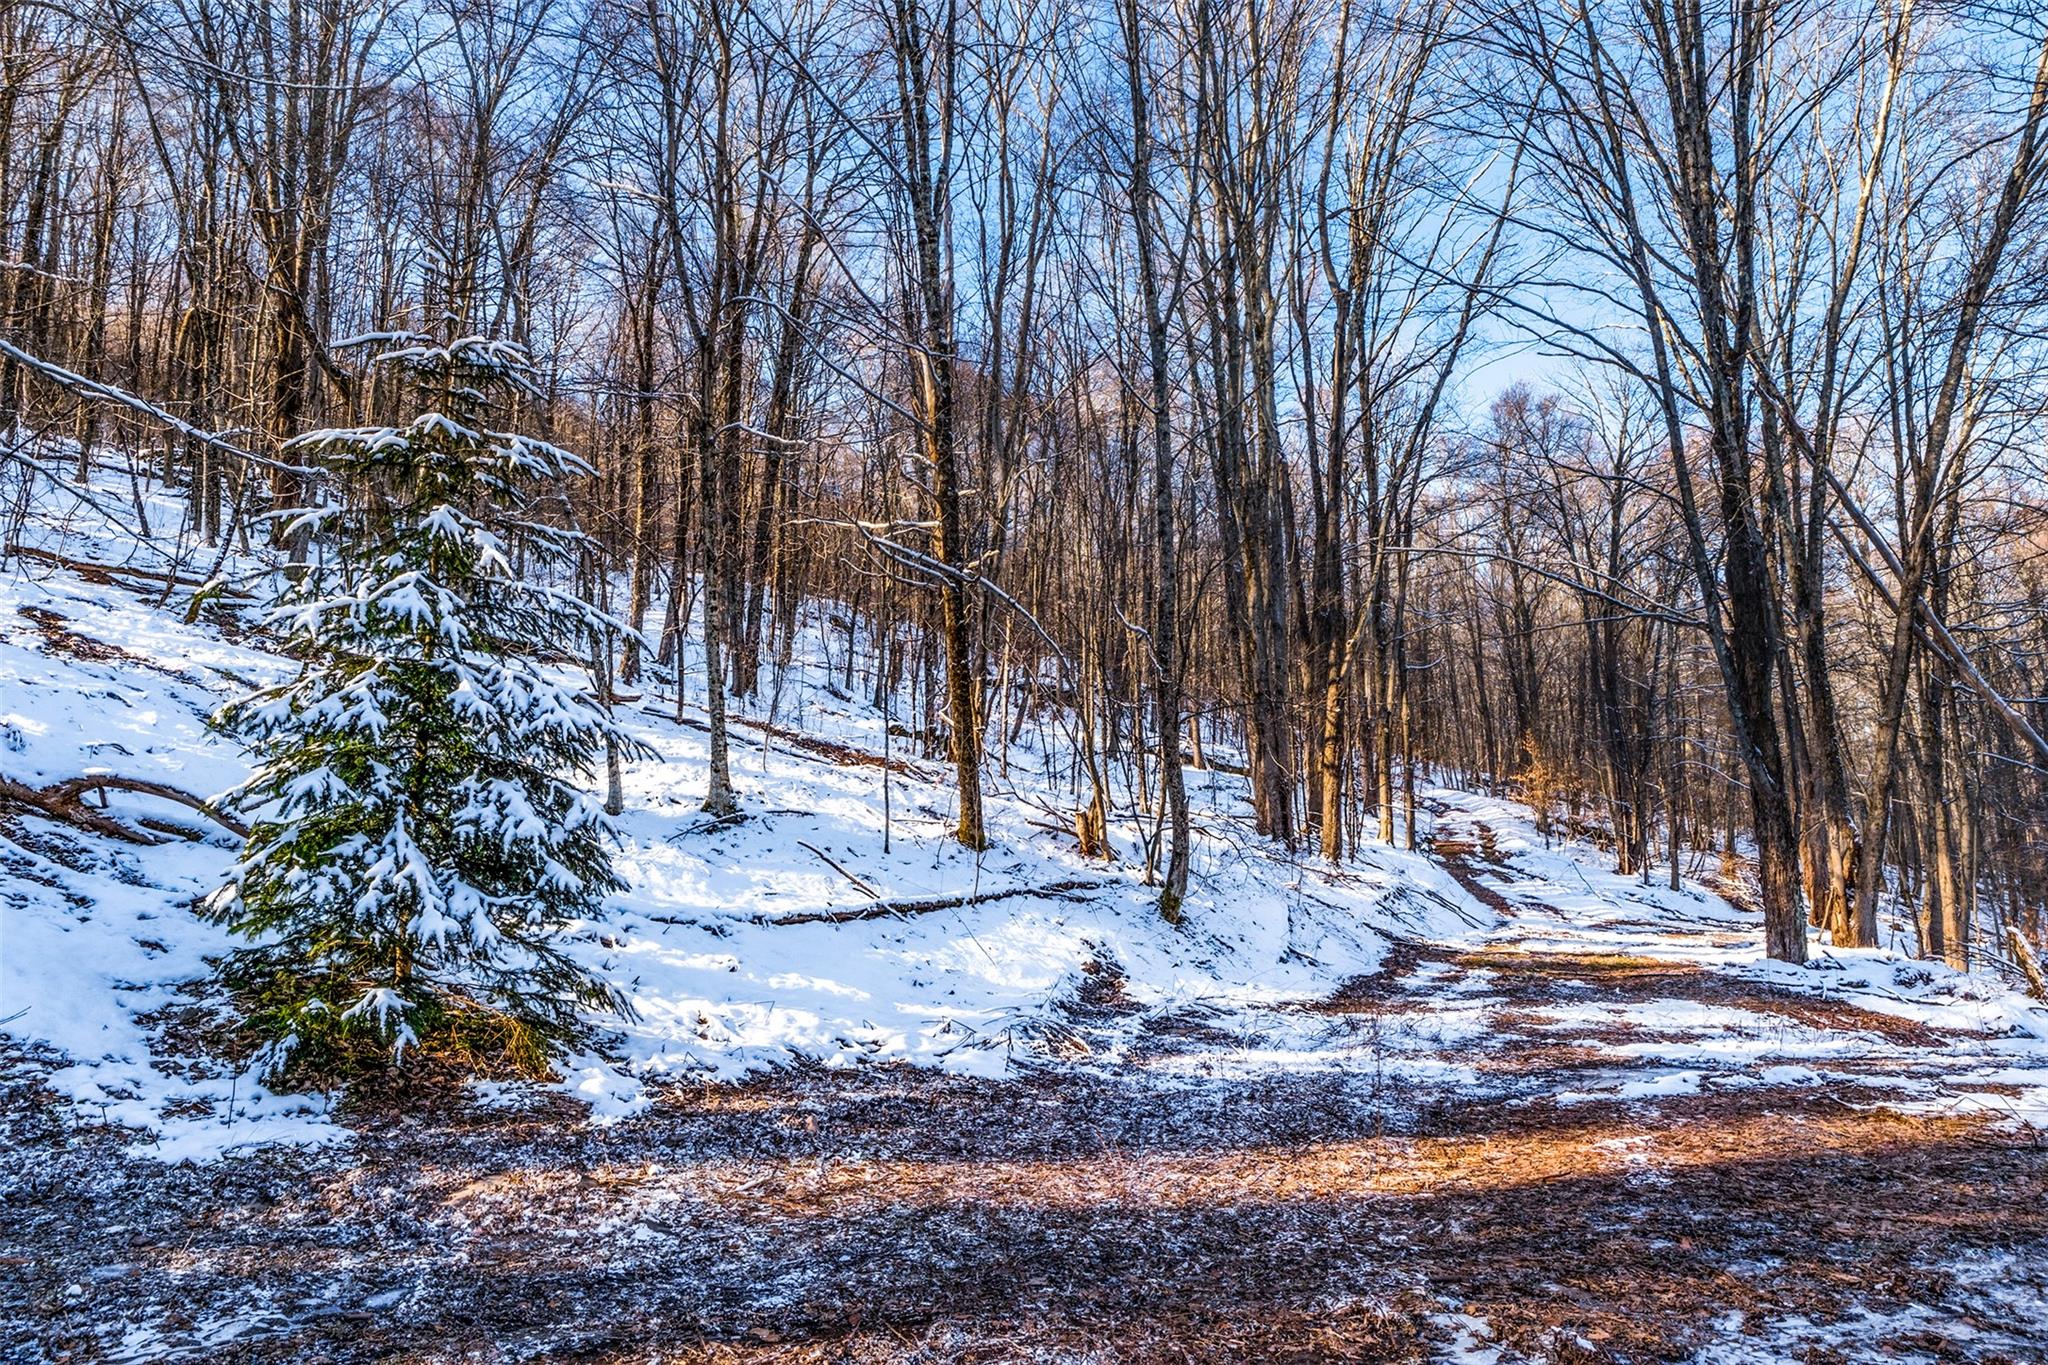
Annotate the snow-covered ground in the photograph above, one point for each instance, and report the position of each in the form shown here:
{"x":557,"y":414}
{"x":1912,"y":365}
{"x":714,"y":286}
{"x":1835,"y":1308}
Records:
{"x":102,"y":672}
{"x":1461,"y":1072}
{"x":1964,"y":1042}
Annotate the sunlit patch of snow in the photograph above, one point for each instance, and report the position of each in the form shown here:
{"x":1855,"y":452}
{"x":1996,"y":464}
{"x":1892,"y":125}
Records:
{"x":1659,"y":1086}
{"x":1989,"y":1304}
{"x":1570,"y":902}
{"x":611,"y":1093}
{"x":1465,"y":1340}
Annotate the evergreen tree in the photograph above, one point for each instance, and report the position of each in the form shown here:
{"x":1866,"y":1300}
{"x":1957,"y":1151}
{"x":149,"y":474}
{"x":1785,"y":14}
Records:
{"x":417,"y":838}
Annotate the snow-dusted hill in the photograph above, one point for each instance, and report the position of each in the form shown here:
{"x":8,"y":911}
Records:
{"x":804,"y":931}
{"x":725,"y":943}
{"x":1491,"y":1102}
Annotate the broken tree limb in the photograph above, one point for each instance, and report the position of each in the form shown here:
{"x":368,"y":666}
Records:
{"x":877,"y":538}
{"x":833,"y":863}
{"x":65,"y":802}
{"x":845,"y":755}
{"x":95,"y":572}
{"x":73,"y":812}
{"x":1055,"y":891}
{"x":1934,"y":632}
{"x":18,"y":455}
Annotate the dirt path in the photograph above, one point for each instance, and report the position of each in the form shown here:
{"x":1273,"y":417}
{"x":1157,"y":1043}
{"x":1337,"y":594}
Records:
{"x":1573,"y":1141}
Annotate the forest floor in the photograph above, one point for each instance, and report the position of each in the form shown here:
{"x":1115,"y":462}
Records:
{"x":882,"y":1099}
{"x":1635,"y":1167}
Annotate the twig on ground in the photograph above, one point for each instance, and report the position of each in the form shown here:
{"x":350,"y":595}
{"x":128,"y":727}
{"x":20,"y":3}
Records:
{"x":830,"y":862}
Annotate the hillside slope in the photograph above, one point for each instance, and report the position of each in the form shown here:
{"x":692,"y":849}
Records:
{"x":725,"y":943}
{"x":1484,"y":1102}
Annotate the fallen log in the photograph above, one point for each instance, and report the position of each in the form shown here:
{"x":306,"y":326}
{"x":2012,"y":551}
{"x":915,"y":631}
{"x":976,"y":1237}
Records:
{"x":65,"y":802}
{"x":92,"y":571}
{"x":1055,"y":891}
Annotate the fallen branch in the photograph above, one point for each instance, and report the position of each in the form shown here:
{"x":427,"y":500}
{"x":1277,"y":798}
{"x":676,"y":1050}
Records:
{"x":1056,"y":891}
{"x":875,"y":535}
{"x":107,"y":393}
{"x":858,"y":884}
{"x":92,"y":571}
{"x":81,"y":492}
{"x":65,"y":802}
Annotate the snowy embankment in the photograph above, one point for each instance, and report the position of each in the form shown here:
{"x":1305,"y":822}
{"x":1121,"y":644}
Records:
{"x":837,"y":926}
{"x":722,"y":943}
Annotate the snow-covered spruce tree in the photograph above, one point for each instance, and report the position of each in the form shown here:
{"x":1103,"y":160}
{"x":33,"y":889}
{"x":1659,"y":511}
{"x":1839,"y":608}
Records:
{"x":417,"y":834}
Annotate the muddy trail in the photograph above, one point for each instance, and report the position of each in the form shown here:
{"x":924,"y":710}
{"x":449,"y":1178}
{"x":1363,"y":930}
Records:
{"x":1629,"y":1161}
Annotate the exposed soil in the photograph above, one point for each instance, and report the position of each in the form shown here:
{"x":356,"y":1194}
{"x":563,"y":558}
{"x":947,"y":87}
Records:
{"x":885,"y":1214}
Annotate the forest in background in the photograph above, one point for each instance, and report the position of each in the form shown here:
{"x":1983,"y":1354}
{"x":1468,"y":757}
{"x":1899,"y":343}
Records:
{"x":1634,"y":407}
